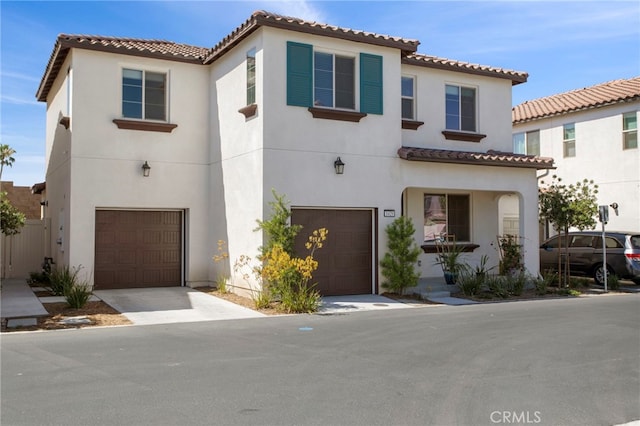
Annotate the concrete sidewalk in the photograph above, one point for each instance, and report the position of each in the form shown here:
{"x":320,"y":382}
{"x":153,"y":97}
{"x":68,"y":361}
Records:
{"x":19,"y":305}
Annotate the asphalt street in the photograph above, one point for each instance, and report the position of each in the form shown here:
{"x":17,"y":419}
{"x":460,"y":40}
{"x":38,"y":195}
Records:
{"x":548,"y":362}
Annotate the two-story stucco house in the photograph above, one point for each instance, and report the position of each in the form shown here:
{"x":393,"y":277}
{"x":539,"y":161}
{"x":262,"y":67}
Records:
{"x":592,"y":133}
{"x":157,"y":150}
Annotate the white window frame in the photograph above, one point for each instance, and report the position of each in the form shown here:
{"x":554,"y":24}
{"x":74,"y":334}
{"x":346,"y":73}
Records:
{"x":626,"y":132}
{"x":568,"y":143}
{"x":526,"y":145}
{"x":476,"y":96}
{"x":356,"y":78}
{"x":251,"y":81}
{"x":144,"y":71}
{"x":412,"y":97}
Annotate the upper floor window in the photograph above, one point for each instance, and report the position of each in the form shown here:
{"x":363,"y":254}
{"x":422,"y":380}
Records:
{"x":447,"y":214}
{"x":408,"y":98}
{"x":569,"y":140}
{"x":527,"y":143}
{"x":334,"y":81}
{"x":329,"y":80}
{"x":630,"y":130}
{"x":251,"y":76}
{"x":460,"y":105}
{"x":144,"y":95}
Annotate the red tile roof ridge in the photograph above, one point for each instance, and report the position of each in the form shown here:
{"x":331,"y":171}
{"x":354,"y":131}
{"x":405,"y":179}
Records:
{"x":264,"y":18}
{"x":441,"y":62}
{"x":291,"y":19}
{"x":598,"y":95}
{"x":111,"y":38}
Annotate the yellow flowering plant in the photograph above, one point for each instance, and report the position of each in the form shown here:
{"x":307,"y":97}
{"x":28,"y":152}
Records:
{"x":289,"y":276}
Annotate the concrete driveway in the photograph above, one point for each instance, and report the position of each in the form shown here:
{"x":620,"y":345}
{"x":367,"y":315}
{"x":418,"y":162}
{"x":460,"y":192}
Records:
{"x":164,"y":305}
{"x":143,"y":306}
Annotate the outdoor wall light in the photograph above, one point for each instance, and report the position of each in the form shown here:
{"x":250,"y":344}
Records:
{"x":146,"y":169}
{"x":339,"y":166}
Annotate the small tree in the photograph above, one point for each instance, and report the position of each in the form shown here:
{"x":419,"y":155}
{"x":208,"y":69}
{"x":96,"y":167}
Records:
{"x":278,"y":229}
{"x":573,"y":206}
{"x":398,"y":263}
{"x":11,"y":219}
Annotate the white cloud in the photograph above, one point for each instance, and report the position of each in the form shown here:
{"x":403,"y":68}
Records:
{"x":19,"y":76}
{"x":18,"y":101}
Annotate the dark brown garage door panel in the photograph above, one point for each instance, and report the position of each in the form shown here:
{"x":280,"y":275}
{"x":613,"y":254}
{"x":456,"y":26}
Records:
{"x":345,"y":260}
{"x":138,"y":249}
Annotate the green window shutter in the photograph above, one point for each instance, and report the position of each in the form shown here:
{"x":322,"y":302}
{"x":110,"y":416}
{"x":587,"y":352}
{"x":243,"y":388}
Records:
{"x":370,"y":83}
{"x":299,"y":74}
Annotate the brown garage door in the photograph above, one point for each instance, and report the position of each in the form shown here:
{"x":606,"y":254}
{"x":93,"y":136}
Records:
{"x":138,"y":249}
{"x":345,"y":260}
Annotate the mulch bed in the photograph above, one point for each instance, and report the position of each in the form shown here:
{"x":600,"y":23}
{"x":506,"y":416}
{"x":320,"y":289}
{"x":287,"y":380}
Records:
{"x":238,"y":300}
{"x":98,"y":312}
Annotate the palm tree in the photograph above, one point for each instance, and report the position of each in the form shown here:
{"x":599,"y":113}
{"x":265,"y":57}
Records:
{"x":6,"y":157}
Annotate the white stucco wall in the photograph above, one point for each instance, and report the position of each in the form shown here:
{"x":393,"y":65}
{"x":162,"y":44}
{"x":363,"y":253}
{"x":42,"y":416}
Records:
{"x":105,"y":171}
{"x":58,"y":168}
{"x":237,"y":161}
{"x":599,"y":157}
{"x":493,"y":98}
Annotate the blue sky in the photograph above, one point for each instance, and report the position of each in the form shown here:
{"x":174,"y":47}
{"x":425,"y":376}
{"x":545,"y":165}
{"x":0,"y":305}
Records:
{"x":562,"y":45}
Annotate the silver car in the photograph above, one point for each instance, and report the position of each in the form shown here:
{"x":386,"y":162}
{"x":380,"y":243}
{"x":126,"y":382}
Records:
{"x":585,"y":254}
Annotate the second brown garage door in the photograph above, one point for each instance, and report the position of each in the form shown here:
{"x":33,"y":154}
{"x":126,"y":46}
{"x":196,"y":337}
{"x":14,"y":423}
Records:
{"x":345,"y":260}
{"x":138,"y":249}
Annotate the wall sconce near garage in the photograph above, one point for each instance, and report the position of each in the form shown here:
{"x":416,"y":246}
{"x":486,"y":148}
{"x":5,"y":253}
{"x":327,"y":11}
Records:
{"x":146,"y":169}
{"x":339,"y":166}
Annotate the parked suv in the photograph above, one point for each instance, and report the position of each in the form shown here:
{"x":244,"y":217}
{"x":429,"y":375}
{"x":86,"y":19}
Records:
{"x":585,"y":254}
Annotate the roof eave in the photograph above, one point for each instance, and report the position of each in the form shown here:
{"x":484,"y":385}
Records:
{"x":548,"y":164}
{"x":515,"y":78}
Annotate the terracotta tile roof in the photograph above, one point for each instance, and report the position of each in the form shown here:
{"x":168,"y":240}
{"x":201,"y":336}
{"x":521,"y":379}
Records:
{"x":489,"y":158}
{"x":262,"y":18}
{"x":160,"y":49}
{"x":419,"y":59}
{"x":597,"y":96}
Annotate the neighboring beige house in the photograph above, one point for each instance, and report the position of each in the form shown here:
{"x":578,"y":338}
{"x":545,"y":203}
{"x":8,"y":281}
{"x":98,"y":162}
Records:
{"x":277,"y":104}
{"x":592,"y":133}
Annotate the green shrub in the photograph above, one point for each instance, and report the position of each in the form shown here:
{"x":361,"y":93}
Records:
{"x":551,"y":277}
{"x":543,"y":282}
{"x":613,"y":282}
{"x":398,"y":263}
{"x":515,"y":283}
{"x":78,"y":295}
{"x":576,"y":282}
{"x":261,"y":299}
{"x":304,"y":299}
{"x":497,"y":286}
{"x":470,"y":283}
{"x":221,"y":284}
{"x":62,"y":280}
